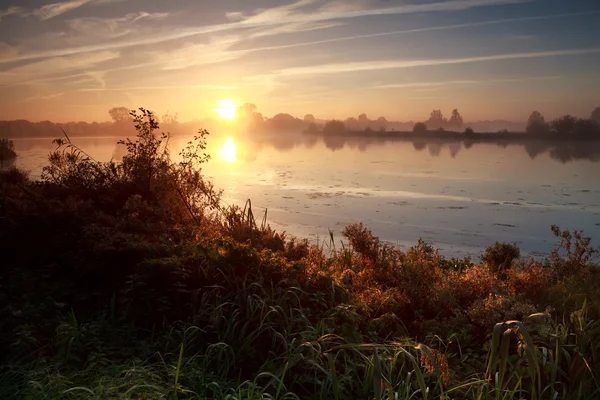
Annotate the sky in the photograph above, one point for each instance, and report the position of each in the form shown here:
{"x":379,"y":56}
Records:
{"x":73,"y":60}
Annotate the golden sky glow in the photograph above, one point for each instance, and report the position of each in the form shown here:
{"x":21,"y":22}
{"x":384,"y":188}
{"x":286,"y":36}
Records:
{"x":227,"y":109}
{"x":73,"y":60}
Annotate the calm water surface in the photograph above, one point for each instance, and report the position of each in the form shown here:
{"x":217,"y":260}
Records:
{"x":460,"y":199}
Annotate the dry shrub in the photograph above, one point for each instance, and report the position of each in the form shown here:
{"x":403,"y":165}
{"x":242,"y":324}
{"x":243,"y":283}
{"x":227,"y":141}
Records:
{"x":530,"y":280}
{"x":476,"y":282}
{"x":485,"y":312}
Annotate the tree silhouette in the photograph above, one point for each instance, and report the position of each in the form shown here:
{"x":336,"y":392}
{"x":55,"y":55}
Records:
{"x":381,"y":123}
{"x":536,"y":124}
{"x":120,"y":115}
{"x":309,"y":119}
{"x":363,"y":120}
{"x":456,"y":120}
{"x":564,"y":125}
{"x":436,"y":119}
{"x":420,"y":127}
{"x":352,"y":123}
{"x":334,"y":127}
{"x":596,"y":115}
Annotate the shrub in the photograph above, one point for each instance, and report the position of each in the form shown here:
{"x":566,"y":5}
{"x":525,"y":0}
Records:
{"x":500,"y":256}
{"x":420,"y":127}
{"x":7,"y":150}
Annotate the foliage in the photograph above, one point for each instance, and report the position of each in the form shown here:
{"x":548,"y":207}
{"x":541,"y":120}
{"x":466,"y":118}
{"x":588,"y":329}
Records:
{"x":142,"y":285}
{"x":7,"y":149}
{"x":500,"y":256}
{"x":420,"y":127}
{"x":334,"y":128}
{"x":536,"y":124}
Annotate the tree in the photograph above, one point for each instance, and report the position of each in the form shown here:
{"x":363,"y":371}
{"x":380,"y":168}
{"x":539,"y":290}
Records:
{"x":456,"y":120}
{"x":536,"y":124}
{"x":309,"y":119}
{"x":381,"y":123}
{"x":420,"y":127}
{"x":334,"y":127}
{"x":120,"y":115}
{"x":596,"y":115}
{"x":352,"y":124}
{"x":436,"y":119}
{"x":564,"y":125}
{"x":363,"y":120}
{"x":586,"y":127}
{"x":469,"y":131}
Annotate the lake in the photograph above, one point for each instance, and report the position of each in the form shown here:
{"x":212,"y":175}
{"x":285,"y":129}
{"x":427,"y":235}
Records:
{"x":461,"y":197}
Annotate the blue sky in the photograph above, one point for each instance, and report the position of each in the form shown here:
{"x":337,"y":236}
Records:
{"x":491,"y":59}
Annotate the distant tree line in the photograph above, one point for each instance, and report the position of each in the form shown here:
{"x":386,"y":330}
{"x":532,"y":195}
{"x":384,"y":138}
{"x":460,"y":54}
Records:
{"x":565,"y":126}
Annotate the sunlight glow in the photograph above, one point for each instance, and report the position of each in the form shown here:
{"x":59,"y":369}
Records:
{"x":228,"y":150}
{"x":226,"y":109}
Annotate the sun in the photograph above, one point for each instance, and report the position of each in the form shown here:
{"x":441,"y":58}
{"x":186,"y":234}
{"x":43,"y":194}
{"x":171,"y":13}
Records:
{"x":229,"y":151}
{"x":226,"y":109}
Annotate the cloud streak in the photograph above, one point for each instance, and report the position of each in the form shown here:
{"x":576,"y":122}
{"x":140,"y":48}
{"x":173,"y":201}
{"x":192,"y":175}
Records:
{"x":427,"y":29}
{"x":363,"y":66}
{"x":163,"y":87}
{"x":464,"y":82}
{"x":265,"y":18}
{"x":54,"y":10}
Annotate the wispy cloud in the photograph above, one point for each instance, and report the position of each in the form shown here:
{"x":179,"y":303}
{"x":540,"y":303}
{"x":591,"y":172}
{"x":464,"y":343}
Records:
{"x":465,"y":82}
{"x":163,"y":87}
{"x":53,"y":10}
{"x":288,"y":14}
{"x":7,"y":51}
{"x":426,"y":29}
{"x":11,"y":11}
{"x":336,"y":68}
{"x":45,"y":97}
{"x":215,"y":51}
{"x":111,"y":28}
{"x":278,"y":16}
{"x":56,"y":66}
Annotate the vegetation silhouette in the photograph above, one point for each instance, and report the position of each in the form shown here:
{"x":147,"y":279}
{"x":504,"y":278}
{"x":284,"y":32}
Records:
{"x":7,"y":151}
{"x":133,"y":280}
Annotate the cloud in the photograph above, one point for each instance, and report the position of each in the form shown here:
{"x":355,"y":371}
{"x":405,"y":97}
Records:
{"x":278,"y":16}
{"x":55,"y":66}
{"x":287,"y":14}
{"x":217,"y":50}
{"x":464,"y":82}
{"x":111,"y":28}
{"x":167,"y":87}
{"x":7,"y":51}
{"x":292,"y":28}
{"x":362,"y":66}
{"x":11,"y":11}
{"x":53,"y":10}
{"x":45,"y":97}
{"x":426,"y":29}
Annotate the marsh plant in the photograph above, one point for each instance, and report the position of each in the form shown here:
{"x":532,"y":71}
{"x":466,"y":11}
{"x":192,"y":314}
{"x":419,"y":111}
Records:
{"x":132,"y":280}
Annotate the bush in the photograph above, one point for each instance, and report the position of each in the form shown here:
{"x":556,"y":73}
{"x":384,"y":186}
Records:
{"x":7,"y":150}
{"x":500,"y":256}
{"x":420,"y":127}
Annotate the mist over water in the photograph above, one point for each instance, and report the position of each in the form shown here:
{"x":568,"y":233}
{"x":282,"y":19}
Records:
{"x":459,"y":197}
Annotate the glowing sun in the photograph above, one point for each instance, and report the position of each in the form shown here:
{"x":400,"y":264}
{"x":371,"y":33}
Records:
{"x":228,"y":150}
{"x":226,"y":109}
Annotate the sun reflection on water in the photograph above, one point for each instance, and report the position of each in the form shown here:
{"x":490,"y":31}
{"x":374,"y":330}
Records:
{"x":229,"y":151}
